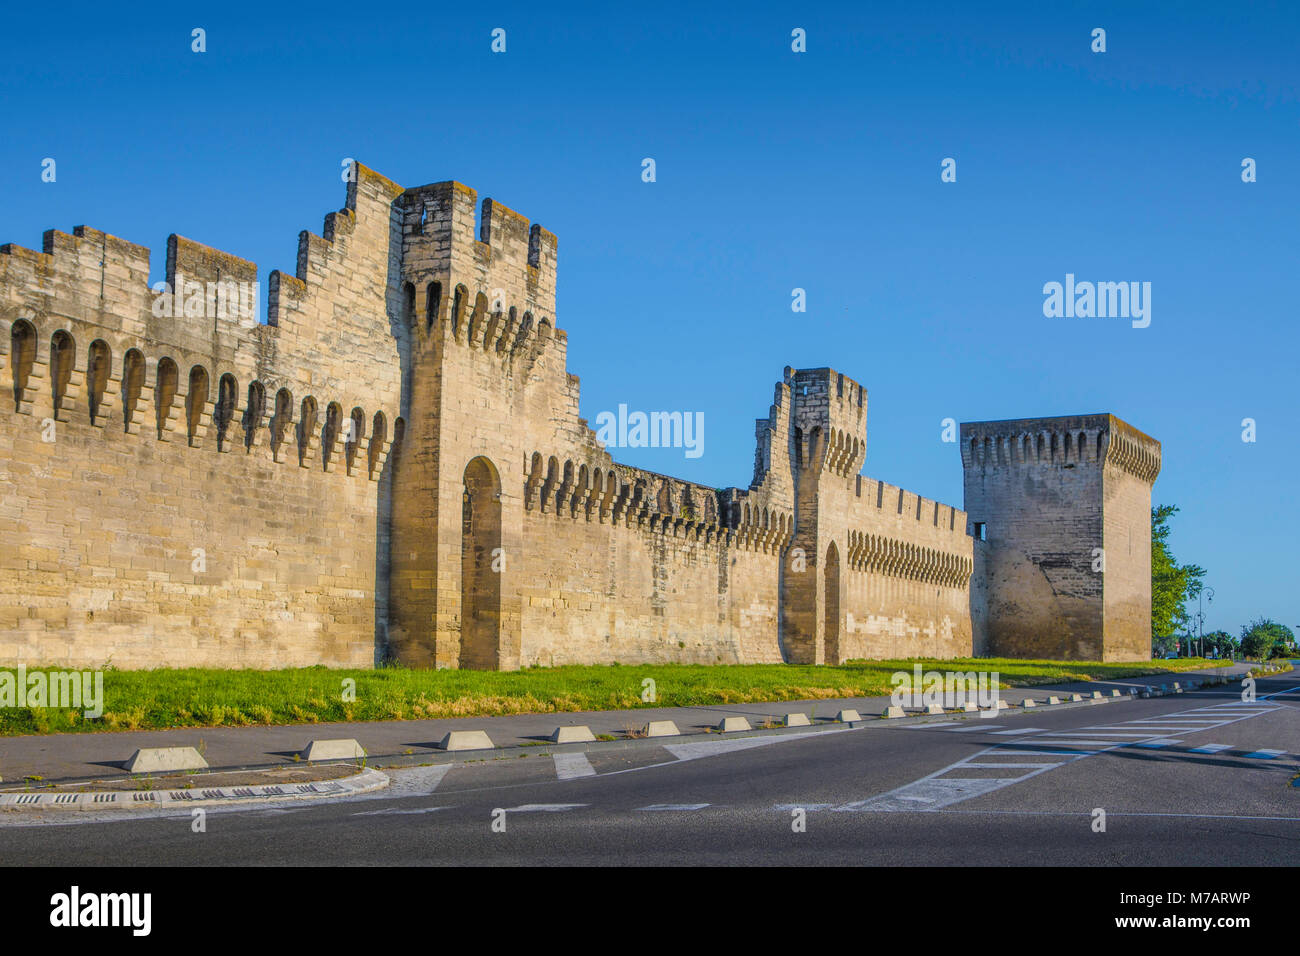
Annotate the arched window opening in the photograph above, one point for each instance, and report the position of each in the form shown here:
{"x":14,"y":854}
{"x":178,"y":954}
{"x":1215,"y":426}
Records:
{"x":432,"y":302}
{"x":133,"y":370}
{"x":164,"y":392}
{"x":352,"y":436}
{"x":378,"y":435}
{"x":63,"y":357}
{"x":22,"y":353}
{"x":330,"y":434}
{"x":195,"y":400}
{"x":224,"y":412}
{"x":306,"y":427}
{"x":254,"y":412}
{"x":481,"y":568}
{"x":98,"y":368}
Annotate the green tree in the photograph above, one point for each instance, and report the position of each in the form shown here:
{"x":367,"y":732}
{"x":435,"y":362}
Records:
{"x":1263,"y":638}
{"x":1220,"y":643}
{"x":1172,"y":584}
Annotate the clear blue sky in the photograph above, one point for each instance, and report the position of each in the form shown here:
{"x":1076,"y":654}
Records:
{"x":775,"y":171}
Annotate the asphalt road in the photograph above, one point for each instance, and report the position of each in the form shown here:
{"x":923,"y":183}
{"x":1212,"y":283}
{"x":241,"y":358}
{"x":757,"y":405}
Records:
{"x":1198,"y":778}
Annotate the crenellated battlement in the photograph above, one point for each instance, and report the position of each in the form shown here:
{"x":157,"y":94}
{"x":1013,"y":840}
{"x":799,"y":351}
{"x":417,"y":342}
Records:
{"x":394,"y":465}
{"x":829,"y":421}
{"x":500,"y":280}
{"x":1065,"y":441}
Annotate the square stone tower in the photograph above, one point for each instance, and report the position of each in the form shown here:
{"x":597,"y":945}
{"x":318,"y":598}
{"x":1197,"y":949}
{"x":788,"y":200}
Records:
{"x":484,"y":383}
{"x":1065,"y":507}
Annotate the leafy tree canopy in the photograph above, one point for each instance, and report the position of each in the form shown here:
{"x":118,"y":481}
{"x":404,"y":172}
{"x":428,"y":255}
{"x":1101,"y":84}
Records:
{"x":1264,"y":638}
{"x":1172,"y":584}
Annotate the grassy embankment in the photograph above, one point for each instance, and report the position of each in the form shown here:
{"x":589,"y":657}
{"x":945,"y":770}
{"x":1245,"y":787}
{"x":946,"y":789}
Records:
{"x":210,"y":697}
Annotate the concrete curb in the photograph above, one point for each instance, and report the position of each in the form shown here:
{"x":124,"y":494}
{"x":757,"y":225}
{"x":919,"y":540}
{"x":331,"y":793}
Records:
{"x":365,"y":782}
{"x":432,"y":754}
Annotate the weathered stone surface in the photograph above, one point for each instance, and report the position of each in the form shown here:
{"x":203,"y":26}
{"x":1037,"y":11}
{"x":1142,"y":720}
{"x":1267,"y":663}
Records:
{"x":1065,"y":508}
{"x":396,"y":467}
{"x":661,"y":728}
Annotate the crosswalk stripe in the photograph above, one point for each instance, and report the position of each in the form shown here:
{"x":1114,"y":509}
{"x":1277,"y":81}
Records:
{"x":1055,"y":742}
{"x":944,"y":723}
{"x":1157,"y":744}
{"x":1210,"y":749}
{"x":1021,"y":730}
{"x":1266,"y":754}
{"x":545,"y":807}
{"x":1009,"y":766}
{"x":571,"y":765}
{"x":675,"y":806}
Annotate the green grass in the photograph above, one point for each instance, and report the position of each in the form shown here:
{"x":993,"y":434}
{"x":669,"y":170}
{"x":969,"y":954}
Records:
{"x":209,"y":697}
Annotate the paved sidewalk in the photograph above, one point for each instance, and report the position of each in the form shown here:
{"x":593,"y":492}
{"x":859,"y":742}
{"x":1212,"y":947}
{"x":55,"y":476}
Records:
{"x":61,"y":757}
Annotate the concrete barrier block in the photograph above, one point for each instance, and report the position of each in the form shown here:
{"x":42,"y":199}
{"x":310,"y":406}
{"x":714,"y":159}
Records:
{"x":1178,"y":688}
{"x":970,"y":707}
{"x":1029,"y":702}
{"x":1096,"y":695}
{"x":933,"y":709}
{"x":661,"y":728}
{"x":1053,"y":700}
{"x":467,"y":740}
{"x":848,"y":716}
{"x":338,"y":749}
{"x":1115,"y":692}
{"x":575,"y":734}
{"x":797,"y":720}
{"x":1001,"y":704}
{"x":894,"y":710}
{"x":729,"y":725}
{"x":1075,"y":698}
{"x":162,"y":759}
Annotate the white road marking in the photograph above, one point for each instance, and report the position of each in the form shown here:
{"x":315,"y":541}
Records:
{"x":937,"y":723}
{"x":967,"y":730}
{"x":930,"y":794}
{"x":674,"y":806}
{"x":1266,"y":754}
{"x":1011,"y":766}
{"x":788,"y":807}
{"x":1210,"y":749}
{"x":545,"y":807}
{"x":571,"y":765}
{"x":395,"y":812}
{"x":937,"y":791}
{"x":1069,"y":742}
{"x":1020,"y":730}
{"x":712,"y":748}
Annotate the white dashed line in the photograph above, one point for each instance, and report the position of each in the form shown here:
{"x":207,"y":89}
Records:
{"x":674,"y":806}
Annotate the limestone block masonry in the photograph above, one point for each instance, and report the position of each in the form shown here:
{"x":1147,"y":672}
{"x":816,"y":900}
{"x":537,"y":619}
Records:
{"x":394,"y":466}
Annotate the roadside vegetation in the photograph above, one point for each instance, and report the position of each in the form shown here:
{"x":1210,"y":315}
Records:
{"x":210,"y":697}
